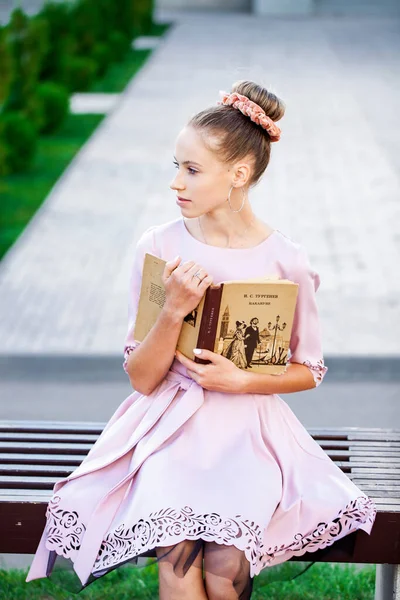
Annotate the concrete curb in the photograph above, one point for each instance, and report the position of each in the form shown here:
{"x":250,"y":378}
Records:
{"x":108,"y":368}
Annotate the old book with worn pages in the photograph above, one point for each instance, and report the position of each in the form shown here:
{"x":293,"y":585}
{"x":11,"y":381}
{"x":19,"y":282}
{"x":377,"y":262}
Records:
{"x":247,"y":321}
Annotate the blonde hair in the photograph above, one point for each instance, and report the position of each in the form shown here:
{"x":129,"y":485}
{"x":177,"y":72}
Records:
{"x":232,"y":136}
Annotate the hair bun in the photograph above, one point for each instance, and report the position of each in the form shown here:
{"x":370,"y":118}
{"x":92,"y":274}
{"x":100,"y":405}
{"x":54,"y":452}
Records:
{"x":253,"y":110}
{"x":273,"y":106}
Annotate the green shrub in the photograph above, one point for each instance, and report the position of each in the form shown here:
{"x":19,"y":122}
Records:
{"x":34,"y":111}
{"x":27,"y":40}
{"x":80,"y":73}
{"x":102,"y":55}
{"x":142,"y":16}
{"x":4,"y":157}
{"x":5,"y":66}
{"x":124,"y":21}
{"x":86,"y":24}
{"x":18,"y":140}
{"x":61,"y":42}
{"x":55,"y":102}
{"x":119,"y":45}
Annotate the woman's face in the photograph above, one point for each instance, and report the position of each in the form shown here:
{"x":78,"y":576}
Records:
{"x":201,"y":178}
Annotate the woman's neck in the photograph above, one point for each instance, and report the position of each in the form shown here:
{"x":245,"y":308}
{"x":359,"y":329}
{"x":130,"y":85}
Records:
{"x":231,"y":230}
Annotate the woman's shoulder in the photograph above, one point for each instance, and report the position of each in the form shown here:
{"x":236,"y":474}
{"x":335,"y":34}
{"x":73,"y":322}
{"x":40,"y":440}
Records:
{"x":295,"y":257}
{"x":162,"y":229}
{"x":155,"y":235}
{"x":292,"y":248}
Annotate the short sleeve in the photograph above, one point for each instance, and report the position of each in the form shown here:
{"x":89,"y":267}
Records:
{"x":305,"y":342}
{"x":144,"y":244}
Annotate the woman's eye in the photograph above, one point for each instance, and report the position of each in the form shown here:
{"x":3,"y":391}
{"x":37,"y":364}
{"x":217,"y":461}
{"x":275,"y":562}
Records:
{"x":191,"y":171}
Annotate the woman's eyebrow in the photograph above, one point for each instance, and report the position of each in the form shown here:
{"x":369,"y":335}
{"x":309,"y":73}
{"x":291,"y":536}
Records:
{"x":186,"y":162}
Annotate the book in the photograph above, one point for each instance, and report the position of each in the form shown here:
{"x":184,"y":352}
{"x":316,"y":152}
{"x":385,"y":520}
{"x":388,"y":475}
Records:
{"x":249,"y":321}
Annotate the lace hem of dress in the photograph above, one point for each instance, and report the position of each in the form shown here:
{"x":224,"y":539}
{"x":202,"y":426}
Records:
{"x":169,"y":526}
{"x":318,"y":370}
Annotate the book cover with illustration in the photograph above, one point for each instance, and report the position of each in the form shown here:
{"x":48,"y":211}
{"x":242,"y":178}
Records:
{"x":248,"y":321}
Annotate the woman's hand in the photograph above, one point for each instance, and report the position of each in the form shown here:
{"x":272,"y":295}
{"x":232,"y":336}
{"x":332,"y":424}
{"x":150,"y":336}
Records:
{"x":184,"y":291}
{"x":221,"y":375}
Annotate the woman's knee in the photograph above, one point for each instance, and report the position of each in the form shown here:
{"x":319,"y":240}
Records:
{"x":176,"y":579}
{"x":226,"y":573}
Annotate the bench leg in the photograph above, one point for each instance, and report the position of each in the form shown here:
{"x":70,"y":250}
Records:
{"x":387,"y":583}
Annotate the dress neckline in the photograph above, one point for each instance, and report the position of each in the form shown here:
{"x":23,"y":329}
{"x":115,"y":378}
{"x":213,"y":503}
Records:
{"x":250,"y":248}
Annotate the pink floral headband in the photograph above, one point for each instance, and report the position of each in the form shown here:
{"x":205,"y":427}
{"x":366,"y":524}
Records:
{"x":252,"y":110}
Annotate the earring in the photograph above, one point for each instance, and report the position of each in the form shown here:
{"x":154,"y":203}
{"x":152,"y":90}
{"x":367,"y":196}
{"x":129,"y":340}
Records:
{"x":229,"y":200}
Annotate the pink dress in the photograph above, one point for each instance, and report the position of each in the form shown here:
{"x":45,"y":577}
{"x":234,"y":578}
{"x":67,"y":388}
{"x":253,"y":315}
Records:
{"x":188,"y":463}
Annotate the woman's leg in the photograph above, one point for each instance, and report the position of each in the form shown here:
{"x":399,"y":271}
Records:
{"x":175,"y":581}
{"x":227,"y":572}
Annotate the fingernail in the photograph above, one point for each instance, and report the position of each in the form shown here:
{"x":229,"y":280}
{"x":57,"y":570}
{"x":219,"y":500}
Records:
{"x":197,"y":351}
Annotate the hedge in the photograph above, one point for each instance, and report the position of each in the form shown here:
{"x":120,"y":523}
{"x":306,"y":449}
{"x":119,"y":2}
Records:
{"x":60,"y":50}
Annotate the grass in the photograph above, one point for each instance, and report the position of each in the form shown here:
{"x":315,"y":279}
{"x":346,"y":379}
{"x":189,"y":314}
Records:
{"x":323,"y":581}
{"x":22,"y":194}
{"x":119,"y":75}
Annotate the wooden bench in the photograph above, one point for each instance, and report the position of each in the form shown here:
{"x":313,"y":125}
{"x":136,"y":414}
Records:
{"x":35,"y":454}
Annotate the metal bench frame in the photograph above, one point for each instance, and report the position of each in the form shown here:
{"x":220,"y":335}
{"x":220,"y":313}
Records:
{"x":35,"y":454}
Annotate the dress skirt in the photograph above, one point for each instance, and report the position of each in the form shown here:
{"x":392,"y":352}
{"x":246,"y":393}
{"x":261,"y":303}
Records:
{"x":188,"y":463}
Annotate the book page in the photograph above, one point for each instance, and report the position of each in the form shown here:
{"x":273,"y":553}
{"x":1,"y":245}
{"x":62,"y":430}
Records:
{"x":190,"y":331}
{"x":152,"y":296}
{"x":255,"y":323}
{"x":151,"y":302}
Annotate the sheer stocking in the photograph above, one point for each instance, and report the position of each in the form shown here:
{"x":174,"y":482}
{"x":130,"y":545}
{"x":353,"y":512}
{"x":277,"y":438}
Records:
{"x":227,"y":572}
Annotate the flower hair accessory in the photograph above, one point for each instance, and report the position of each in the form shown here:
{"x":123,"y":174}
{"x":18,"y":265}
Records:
{"x":252,"y":110}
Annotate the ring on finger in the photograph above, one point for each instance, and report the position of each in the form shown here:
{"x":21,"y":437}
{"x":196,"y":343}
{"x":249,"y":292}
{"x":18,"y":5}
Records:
{"x":197,"y":275}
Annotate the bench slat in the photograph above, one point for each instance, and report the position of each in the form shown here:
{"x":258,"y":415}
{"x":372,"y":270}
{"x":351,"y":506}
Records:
{"x":28,"y":482}
{"x":48,"y":437}
{"x":381,"y":471}
{"x":50,"y":459}
{"x":52,"y":426}
{"x":29,"y":447}
{"x":61,"y":426}
{"x":17,"y":470}
{"x":383,"y":490}
{"x":43,"y":496}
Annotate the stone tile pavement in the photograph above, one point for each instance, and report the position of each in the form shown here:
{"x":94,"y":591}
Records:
{"x":332,"y":184}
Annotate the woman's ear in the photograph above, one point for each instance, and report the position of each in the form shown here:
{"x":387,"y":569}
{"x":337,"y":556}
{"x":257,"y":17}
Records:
{"x":242,"y":172}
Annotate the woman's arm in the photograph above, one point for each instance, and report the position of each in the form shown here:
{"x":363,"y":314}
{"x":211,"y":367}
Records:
{"x":148,"y":364}
{"x":221,"y":375}
{"x":296,"y":378}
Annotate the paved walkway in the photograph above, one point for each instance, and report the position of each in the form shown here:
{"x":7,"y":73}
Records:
{"x":333,"y":182}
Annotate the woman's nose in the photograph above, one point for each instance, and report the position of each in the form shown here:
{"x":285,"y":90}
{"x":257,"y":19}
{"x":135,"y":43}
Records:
{"x":175,"y":185}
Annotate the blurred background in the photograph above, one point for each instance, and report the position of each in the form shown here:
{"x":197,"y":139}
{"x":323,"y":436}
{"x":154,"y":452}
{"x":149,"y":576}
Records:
{"x":92,"y":96}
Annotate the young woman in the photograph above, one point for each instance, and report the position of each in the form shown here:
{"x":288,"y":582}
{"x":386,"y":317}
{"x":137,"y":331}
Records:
{"x":205,"y":466}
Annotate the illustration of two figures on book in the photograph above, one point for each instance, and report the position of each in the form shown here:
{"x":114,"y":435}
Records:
{"x":247,"y":344}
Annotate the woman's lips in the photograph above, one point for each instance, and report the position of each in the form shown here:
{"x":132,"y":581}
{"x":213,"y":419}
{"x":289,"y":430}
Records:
{"x":182,"y":200}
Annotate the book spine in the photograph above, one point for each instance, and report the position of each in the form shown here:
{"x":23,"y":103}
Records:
{"x":209,"y":321}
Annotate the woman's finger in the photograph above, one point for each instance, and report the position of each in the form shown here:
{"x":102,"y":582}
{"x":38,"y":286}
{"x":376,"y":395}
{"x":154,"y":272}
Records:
{"x":171,"y":265}
{"x":205,"y":283}
{"x":187,"y":362}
